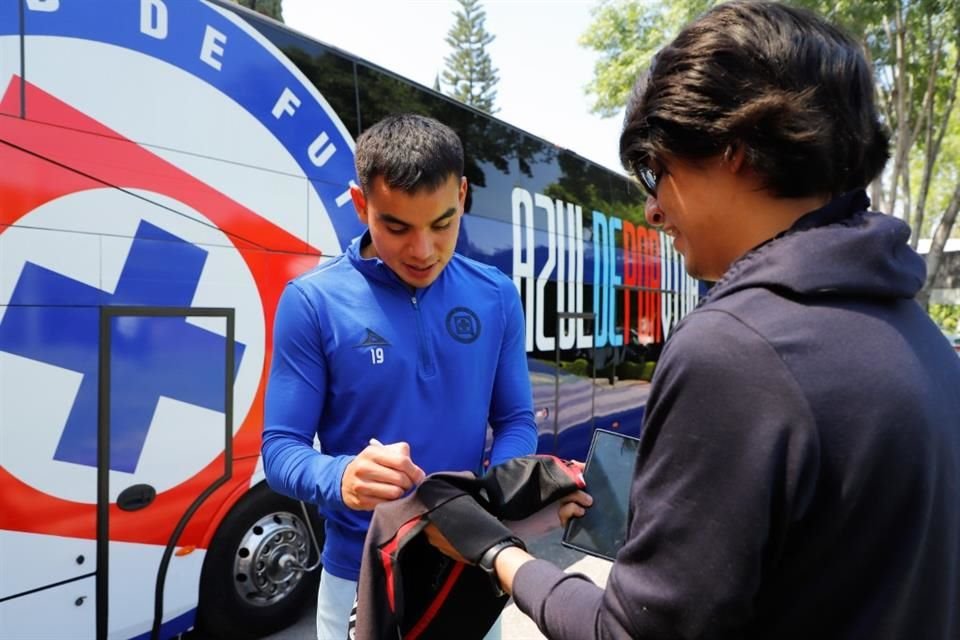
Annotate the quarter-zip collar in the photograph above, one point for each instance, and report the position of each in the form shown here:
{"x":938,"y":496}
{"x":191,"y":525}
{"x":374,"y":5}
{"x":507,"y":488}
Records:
{"x":376,"y":269}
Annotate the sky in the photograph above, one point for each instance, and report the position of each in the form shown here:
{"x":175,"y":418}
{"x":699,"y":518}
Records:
{"x":542,"y":69}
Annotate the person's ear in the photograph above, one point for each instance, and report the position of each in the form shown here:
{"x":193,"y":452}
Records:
{"x":359,"y":202}
{"x":463,"y":193}
{"x":734,"y":157}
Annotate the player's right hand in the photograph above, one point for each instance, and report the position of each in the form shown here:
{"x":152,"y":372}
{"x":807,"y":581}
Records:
{"x":380,"y":473}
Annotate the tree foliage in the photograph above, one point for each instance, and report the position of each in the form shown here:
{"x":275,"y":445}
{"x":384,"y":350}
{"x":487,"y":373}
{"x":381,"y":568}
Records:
{"x":626,"y":34}
{"x":271,"y":8}
{"x":913,"y":46}
{"x":947,"y":316}
{"x":469,"y":74}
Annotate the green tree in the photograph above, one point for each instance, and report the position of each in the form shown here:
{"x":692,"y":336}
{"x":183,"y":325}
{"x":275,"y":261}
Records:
{"x":626,"y":34}
{"x":470,"y":75}
{"x":947,"y":316}
{"x":271,"y":8}
{"x":913,"y":45}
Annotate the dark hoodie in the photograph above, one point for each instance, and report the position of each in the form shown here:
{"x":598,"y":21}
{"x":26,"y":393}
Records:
{"x":799,"y":473}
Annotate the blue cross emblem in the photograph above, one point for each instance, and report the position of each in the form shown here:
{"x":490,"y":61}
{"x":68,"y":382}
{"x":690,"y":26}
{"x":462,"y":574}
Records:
{"x":54,"y":319}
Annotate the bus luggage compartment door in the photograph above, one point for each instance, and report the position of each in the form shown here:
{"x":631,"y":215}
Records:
{"x":165,"y":387}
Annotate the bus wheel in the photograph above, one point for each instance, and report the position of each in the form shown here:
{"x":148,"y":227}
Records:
{"x":252,"y":583}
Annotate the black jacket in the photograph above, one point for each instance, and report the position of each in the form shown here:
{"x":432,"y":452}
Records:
{"x":799,"y":472}
{"x":408,"y":589}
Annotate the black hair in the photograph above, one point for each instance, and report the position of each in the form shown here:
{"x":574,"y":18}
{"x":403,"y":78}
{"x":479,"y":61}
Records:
{"x":409,"y":152}
{"x":794,"y":92}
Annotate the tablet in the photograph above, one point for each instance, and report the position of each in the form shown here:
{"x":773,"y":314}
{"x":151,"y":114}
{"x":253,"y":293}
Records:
{"x":608,"y":474}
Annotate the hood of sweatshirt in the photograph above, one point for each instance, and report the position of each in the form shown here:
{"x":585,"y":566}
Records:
{"x":839,"y":249}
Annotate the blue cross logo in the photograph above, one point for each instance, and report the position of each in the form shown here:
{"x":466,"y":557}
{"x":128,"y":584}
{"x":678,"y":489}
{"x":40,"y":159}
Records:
{"x":54,"y":319}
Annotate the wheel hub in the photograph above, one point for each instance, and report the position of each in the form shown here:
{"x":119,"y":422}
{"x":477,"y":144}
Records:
{"x":269,"y":557}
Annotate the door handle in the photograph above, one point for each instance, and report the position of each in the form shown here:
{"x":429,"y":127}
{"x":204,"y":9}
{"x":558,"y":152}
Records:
{"x":136,"y":497}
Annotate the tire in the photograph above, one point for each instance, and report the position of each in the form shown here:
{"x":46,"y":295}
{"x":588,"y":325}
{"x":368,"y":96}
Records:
{"x":246,"y":589}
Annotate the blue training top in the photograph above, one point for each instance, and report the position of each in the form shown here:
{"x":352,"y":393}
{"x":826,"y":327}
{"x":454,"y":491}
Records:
{"x":358,"y":354}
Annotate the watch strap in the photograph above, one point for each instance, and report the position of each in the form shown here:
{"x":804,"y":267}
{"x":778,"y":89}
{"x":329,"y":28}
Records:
{"x":489,"y":557}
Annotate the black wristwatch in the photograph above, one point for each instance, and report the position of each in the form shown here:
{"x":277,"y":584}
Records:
{"x":489,"y":557}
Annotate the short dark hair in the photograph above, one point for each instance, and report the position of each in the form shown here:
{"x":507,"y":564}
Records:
{"x":409,"y":152}
{"x":790,"y":89}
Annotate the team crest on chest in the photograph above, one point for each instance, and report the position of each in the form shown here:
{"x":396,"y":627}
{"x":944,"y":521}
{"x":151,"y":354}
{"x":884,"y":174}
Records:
{"x":463,"y":325}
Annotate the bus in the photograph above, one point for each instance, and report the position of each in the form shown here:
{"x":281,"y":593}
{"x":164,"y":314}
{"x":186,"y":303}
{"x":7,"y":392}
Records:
{"x":167,"y":166}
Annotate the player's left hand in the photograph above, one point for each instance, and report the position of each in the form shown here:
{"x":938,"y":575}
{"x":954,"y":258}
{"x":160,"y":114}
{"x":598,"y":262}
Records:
{"x":556,"y":514}
{"x":574,"y":505}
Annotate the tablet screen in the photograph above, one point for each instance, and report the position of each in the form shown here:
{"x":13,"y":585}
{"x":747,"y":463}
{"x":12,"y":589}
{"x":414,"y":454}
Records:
{"x":608,"y":474}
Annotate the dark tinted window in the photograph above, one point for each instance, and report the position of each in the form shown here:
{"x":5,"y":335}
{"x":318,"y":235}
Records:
{"x":496,"y":156}
{"x":330,"y":73}
{"x":627,"y":200}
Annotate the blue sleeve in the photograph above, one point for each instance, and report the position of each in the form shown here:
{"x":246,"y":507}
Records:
{"x":294,"y":402}
{"x":511,"y":407}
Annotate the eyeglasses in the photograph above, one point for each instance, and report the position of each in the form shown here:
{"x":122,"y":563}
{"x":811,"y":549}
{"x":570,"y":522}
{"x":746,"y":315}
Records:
{"x":648,"y":179}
